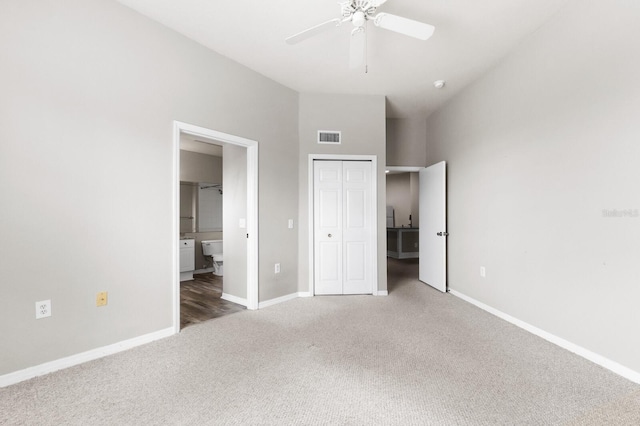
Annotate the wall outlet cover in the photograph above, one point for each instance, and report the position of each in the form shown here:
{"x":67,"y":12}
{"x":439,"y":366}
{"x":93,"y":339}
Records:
{"x":43,"y":309}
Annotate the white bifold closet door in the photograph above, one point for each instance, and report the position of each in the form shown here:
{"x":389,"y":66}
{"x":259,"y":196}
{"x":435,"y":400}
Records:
{"x":344,"y":218}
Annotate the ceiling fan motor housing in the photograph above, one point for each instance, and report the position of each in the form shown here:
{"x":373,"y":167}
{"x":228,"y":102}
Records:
{"x":362,"y":8}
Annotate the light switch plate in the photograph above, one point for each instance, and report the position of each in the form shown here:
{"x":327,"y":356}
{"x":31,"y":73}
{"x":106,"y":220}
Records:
{"x":101,"y":298}
{"x":242,"y":223}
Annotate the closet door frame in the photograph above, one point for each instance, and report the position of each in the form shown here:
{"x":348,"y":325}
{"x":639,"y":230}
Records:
{"x":311,"y":228}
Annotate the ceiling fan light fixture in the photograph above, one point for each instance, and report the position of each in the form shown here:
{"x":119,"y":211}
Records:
{"x":439,"y":84}
{"x":358,"y":19}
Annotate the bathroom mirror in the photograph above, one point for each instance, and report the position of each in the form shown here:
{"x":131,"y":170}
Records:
{"x":200,"y":207}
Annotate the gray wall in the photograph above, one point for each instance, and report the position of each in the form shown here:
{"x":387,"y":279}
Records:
{"x":362,"y":122}
{"x":406,"y":139}
{"x":198,"y":167}
{"x":89,"y":94}
{"x":536,"y":150}
{"x":234,"y":208}
{"x":403,"y":195}
{"x":414,"y":189}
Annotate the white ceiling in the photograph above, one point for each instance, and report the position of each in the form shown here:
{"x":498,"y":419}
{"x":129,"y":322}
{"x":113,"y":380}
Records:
{"x":470,"y":37}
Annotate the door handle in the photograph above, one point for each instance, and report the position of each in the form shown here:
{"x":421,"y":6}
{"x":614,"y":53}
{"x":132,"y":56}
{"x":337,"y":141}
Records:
{"x":443,"y":234}
{"x":329,"y":235}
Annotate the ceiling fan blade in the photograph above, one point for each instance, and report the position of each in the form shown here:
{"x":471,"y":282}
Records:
{"x":356,"y":49}
{"x":404,"y":26}
{"x":303,"y":35}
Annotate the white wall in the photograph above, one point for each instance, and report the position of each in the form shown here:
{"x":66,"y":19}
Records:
{"x":90,"y":90}
{"x":362,"y":122}
{"x":536,"y":150}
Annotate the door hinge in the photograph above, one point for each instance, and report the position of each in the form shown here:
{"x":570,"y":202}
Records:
{"x":247,"y":235}
{"x":443,"y":234}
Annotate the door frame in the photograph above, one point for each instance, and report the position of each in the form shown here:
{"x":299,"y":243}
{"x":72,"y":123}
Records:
{"x":374,"y":189}
{"x":417,"y":169}
{"x":180,"y":128}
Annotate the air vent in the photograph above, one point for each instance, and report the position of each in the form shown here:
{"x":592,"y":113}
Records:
{"x":330,"y":137}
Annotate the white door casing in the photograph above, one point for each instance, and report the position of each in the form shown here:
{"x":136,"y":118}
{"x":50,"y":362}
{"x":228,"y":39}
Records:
{"x":344,"y":223}
{"x":433,"y":226}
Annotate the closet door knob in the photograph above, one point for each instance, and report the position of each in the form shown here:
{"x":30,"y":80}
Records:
{"x":329,"y":235}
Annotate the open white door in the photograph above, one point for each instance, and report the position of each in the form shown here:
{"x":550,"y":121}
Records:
{"x":433,"y":226}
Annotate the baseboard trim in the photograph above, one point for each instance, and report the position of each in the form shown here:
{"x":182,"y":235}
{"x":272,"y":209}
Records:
{"x":613,"y":366}
{"x":234,"y":299}
{"x":277,"y":300}
{"x":81,"y":358}
{"x":375,"y":293}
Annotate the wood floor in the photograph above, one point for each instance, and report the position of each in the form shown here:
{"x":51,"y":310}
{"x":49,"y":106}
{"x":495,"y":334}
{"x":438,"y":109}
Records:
{"x":200,"y":300}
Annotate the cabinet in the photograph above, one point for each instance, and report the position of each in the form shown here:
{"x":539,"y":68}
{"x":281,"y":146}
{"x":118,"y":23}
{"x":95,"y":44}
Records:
{"x":187,"y":259}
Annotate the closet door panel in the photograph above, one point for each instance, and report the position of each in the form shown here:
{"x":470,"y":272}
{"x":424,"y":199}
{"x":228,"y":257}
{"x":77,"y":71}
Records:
{"x":328,"y":219}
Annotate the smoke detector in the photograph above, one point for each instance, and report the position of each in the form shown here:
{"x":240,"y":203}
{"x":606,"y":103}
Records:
{"x":439,"y":84}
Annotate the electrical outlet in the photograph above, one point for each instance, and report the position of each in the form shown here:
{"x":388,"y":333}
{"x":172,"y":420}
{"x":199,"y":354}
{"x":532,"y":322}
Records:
{"x":483,"y":272}
{"x":277,"y":268}
{"x":290,"y":223}
{"x":101,"y":299}
{"x":43,"y":309}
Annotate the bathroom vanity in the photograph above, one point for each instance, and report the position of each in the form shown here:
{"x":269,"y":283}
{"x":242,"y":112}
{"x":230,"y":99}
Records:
{"x":187,"y":258}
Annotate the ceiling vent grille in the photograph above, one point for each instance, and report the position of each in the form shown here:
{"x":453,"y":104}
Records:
{"x":330,"y":137}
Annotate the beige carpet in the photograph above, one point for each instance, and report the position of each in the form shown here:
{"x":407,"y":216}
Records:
{"x":416,"y":357}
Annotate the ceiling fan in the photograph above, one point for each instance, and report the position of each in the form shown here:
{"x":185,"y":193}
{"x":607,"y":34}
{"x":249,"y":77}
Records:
{"x":359,"y":12}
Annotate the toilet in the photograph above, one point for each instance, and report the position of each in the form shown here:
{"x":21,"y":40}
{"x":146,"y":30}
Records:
{"x":213,"y":248}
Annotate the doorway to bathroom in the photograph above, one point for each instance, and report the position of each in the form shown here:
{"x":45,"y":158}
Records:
{"x":201,"y":230}
{"x":215,"y":209}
